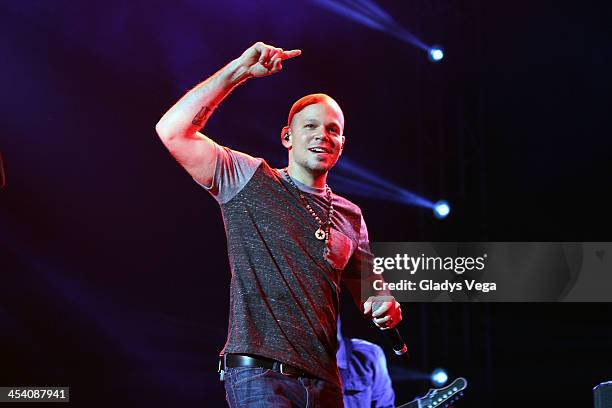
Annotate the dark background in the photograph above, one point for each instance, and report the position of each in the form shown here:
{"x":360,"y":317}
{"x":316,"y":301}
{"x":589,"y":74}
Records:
{"x":113,"y":263}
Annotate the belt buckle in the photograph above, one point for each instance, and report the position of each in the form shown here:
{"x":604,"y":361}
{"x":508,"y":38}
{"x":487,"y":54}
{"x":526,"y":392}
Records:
{"x":294,"y":374}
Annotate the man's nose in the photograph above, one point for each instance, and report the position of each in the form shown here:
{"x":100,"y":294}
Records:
{"x":322,"y":135}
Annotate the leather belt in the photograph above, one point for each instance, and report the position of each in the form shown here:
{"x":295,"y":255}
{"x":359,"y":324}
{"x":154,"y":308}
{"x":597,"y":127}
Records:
{"x":231,"y":360}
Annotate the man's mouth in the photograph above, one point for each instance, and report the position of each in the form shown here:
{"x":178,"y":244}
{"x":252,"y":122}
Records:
{"x":319,"y":149}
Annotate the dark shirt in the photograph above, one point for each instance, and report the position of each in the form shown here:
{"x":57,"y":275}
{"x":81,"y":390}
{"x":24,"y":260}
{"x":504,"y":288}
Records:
{"x":365,"y":378}
{"x":284,"y":291}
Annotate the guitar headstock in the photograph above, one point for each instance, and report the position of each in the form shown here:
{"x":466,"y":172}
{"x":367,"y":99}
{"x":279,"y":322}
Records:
{"x":442,"y":397}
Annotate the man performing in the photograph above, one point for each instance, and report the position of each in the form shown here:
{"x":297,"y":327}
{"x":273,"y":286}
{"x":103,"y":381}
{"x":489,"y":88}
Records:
{"x":290,"y":241}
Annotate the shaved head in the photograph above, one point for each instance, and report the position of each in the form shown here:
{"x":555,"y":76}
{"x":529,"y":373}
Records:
{"x":313,"y":137}
{"x":311,"y":100}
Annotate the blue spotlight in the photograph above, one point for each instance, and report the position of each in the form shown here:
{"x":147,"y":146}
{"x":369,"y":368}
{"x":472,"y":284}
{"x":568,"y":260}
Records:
{"x":441,"y":209}
{"x":439,"y":377}
{"x":436,"y":53}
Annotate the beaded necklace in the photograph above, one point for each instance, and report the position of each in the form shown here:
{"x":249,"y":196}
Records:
{"x":322,"y":233}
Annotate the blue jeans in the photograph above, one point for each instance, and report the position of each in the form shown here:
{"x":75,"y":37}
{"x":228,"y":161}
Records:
{"x":263,"y":388}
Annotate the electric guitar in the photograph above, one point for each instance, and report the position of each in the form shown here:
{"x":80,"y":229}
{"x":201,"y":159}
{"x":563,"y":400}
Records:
{"x":439,"y":397}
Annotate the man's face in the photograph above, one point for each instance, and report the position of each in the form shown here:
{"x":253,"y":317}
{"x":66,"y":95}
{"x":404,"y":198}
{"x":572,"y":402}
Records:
{"x":316,"y":137}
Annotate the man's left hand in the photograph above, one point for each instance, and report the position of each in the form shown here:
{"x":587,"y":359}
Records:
{"x":386,"y":312}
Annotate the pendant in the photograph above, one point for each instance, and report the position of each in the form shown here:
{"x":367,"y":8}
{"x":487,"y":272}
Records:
{"x":320,"y":234}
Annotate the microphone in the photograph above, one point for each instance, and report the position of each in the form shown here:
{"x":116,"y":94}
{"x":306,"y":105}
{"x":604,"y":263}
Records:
{"x":393,"y":335}
{"x":397,"y":343}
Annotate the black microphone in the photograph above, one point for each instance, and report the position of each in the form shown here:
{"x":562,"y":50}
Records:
{"x":393,"y":335}
{"x":398,"y":344}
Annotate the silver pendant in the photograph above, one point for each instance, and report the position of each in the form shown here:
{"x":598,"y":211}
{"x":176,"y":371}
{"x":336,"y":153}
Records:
{"x":320,"y":234}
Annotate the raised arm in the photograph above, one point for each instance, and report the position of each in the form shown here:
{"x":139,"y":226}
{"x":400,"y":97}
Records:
{"x":179,"y":127}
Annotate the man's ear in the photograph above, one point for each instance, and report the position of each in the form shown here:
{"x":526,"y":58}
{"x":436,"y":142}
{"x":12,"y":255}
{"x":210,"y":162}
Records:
{"x":342,"y":145}
{"x":286,"y":137}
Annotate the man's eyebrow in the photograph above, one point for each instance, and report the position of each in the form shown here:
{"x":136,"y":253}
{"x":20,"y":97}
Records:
{"x":335,"y":124}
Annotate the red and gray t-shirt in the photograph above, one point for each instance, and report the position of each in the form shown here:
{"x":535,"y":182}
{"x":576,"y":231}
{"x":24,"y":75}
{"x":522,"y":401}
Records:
{"x":284,"y":291}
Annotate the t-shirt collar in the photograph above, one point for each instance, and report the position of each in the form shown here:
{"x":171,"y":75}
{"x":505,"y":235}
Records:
{"x":302,"y":186}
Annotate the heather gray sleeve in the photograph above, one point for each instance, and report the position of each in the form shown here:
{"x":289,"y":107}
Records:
{"x":366,"y":261}
{"x":358,"y":276}
{"x":233,"y":170}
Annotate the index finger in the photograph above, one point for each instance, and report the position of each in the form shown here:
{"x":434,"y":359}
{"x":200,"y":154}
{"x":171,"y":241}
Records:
{"x":367,"y":306}
{"x":290,"y":54}
{"x":381,"y":309}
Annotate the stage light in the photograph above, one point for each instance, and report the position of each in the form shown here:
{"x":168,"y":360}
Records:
{"x":368,"y":13}
{"x":439,"y":377}
{"x":441,"y":209}
{"x":436,"y":53}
